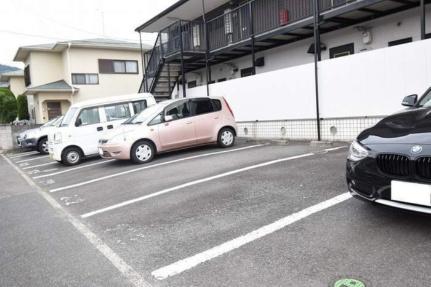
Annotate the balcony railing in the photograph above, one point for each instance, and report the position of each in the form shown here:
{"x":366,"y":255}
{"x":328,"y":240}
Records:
{"x":265,"y":15}
{"x":233,"y":26}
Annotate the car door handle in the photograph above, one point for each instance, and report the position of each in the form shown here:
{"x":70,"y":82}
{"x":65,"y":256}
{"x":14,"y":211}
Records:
{"x":188,"y":123}
{"x":216,"y":118}
{"x":99,"y":129}
{"x":110,"y":127}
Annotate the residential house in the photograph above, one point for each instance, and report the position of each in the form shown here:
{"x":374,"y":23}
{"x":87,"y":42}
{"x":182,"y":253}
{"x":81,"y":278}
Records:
{"x":260,"y":54}
{"x":59,"y":74}
{"x":14,"y":81}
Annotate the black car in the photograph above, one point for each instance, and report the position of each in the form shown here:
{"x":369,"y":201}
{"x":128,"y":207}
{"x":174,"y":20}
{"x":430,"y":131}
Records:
{"x":390,"y":163}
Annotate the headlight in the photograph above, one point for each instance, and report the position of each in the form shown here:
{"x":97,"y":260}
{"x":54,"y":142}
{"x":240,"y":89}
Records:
{"x":58,"y":138}
{"x":117,"y":139}
{"x":357,"y":152}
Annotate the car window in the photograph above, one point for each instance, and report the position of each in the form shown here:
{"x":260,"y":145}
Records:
{"x":117,"y":112}
{"x":201,"y":106}
{"x":426,"y":100}
{"x":139,"y":106}
{"x":89,"y":116}
{"x":178,"y":110}
{"x":216,"y":105}
{"x":157,"y":120}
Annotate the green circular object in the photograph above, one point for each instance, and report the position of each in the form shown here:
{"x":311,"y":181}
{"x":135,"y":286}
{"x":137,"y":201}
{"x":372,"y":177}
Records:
{"x":349,"y":282}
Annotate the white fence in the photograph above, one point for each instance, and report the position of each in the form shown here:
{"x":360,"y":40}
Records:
{"x":368,"y":84}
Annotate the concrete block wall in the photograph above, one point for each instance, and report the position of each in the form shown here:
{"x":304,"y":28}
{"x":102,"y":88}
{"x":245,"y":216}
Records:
{"x":6,"y":141}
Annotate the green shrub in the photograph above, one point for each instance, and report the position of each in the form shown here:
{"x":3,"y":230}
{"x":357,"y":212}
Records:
{"x":8,"y":106}
{"x":22,"y":107}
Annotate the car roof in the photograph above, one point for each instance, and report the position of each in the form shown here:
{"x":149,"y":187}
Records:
{"x":112,"y":100}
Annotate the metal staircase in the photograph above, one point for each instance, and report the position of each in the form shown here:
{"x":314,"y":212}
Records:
{"x":175,"y":51}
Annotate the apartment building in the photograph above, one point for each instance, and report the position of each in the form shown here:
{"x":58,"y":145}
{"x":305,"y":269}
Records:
{"x":59,"y":74}
{"x":260,"y":54}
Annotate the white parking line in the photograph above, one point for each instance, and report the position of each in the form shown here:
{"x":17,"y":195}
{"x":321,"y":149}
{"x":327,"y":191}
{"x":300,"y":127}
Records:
{"x":72,"y":169}
{"x":125,"y":269}
{"x":23,"y":154}
{"x":151,"y":166}
{"x":193,"y":261}
{"x":206,"y":179}
{"x":36,"y":158}
{"x":39,"y":165}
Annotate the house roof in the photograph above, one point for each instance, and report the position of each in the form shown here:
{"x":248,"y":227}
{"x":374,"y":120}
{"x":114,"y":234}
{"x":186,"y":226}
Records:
{"x":98,"y":43}
{"x":6,"y":76}
{"x":57,"y":86}
{"x":180,"y":10}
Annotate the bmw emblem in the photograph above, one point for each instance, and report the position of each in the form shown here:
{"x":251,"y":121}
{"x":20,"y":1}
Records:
{"x":416,"y":149}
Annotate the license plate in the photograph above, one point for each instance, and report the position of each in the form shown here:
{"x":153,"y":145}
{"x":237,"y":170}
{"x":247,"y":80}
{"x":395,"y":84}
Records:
{"x":408,"y":192}
{"x":100,"y":151}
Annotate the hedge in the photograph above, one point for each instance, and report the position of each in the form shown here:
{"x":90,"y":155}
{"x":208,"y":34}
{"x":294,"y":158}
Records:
{"x":8,"y":106}
{"x":22,"y":107}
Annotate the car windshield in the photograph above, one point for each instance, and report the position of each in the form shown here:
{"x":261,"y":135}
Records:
{"x":426,"y":100}
{"x":68,"y":117}
{"x":144,"y":115}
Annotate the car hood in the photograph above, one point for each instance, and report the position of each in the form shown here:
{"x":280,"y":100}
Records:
{"x":120,"y":130}
{"x":408,"y":127}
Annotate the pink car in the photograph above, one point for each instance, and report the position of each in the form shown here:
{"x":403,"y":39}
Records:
{"x":171,"y":125}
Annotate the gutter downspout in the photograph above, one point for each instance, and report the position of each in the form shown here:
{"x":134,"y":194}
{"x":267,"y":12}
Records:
{"x":68,"y":70}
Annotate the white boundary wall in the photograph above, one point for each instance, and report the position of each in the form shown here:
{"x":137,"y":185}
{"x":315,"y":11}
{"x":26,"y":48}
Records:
{"x":370,"y":84}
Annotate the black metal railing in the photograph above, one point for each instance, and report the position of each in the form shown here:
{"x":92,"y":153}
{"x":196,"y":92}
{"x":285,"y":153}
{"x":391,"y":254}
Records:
{"x":179,"y":37}
{"x":233,"y":26}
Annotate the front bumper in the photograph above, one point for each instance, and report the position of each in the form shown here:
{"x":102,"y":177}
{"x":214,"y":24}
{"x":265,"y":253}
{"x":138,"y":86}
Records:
{"x":55,"y":151}
{"x":366,"y":182}
{"x":114,"y":151}
{"x":27,"y":143}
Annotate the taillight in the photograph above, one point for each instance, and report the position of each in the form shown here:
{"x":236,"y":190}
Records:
{"x":228,"y":107}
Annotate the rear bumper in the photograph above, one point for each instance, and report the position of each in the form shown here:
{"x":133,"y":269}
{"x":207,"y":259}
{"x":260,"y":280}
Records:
{"x":114,"y":151}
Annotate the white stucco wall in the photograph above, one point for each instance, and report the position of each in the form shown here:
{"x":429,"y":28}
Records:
{"x":365,"y":84}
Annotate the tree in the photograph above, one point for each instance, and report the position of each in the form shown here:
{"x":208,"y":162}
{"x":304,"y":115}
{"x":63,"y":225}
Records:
{"x":8,"y":106}
{"x":22,"y":107}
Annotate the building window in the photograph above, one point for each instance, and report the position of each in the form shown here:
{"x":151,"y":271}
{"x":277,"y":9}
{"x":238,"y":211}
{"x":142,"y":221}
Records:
{"x":191,"y":84}
{"x":85,"y":79}
{"x":342,"y":51}
{"x":400,"y":41}
{"x":27,"y":78}
{"x":118,"y":66}
{"x":247,"y":72}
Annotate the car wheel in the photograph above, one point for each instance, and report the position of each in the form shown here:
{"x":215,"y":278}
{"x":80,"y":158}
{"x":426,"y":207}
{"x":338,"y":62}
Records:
{"x":42,"y":146}
{"x":142,"y":152}
{"x":226,"y":137}
{"x":71,"y":156}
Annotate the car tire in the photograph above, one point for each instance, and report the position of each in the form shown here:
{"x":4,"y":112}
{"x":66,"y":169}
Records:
{"x":142,"y":152}
{"x":42,"y":146}
{"x":226,"y":137}
{"x":71,"y":156}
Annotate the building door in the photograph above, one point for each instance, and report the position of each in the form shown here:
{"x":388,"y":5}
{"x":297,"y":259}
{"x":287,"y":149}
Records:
{"x":341,"y":51}
{"x":54,"y":109}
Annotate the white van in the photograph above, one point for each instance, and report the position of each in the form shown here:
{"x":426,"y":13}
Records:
{"x":84,"y":123}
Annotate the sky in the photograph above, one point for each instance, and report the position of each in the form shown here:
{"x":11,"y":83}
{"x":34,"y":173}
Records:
{"x":29,"y":22}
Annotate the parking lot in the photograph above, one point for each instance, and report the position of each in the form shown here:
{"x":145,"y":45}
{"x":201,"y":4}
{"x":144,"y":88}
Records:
{"x":256,"y":214}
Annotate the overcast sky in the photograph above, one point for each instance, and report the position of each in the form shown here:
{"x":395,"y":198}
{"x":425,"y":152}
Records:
{"x":28,"y":22}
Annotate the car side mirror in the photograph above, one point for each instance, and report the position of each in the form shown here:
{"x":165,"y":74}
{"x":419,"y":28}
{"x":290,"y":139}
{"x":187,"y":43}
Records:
{"x":169,"y":118}
{"x":410,"y":101}
{"x":78,"y":123}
